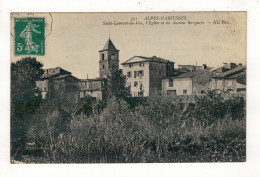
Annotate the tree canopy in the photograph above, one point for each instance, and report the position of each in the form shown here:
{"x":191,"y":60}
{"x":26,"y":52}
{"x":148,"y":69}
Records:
{"x":116,"y":85}
{"x":25,"y":98}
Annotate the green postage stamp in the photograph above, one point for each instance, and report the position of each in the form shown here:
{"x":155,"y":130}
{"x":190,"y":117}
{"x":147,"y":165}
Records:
{"x":29,"y":36}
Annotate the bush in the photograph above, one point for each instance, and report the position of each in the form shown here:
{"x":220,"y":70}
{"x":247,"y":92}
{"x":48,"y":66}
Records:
{"x":212,"y":106}
{"x":49,"y":121}
{"x":161,"y":129}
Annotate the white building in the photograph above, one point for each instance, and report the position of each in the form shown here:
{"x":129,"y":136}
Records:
{"x":144,"y":74}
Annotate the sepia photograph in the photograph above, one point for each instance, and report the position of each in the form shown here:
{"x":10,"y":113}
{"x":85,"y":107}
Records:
{"x":139,"y":87}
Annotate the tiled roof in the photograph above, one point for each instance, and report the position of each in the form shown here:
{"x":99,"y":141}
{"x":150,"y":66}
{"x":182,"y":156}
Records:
{"x":190,"y":67}
{"x":61,"y":76}
{"x":53,"y":72}
{"x":109,"y":46}
{"x":231,"y":72}
{"x":193,"y":73}
{"x":46,"y":76}
{"x":183,"y":70}
{"x":243,"y":73}
{"x":146,"y":59}
{"x":217,"y":67}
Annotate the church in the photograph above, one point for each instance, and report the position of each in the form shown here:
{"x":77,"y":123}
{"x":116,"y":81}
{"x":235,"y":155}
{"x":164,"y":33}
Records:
{"x":108,"y":61}
{"x":57,"y":82}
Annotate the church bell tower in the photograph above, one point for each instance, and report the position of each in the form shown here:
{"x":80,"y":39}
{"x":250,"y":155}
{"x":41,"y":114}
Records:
{"x":108,"y":59}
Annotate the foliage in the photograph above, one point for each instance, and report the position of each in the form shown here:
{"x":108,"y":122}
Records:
{"x":216,"y":106}
{"x":25,"y":98}
{"x":116,"y":85}
{"x":49,"y":121}
{"x":161,"y":129}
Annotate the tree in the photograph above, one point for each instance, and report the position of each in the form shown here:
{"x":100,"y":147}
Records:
{"x":116,"y":85}
{"x":25,"y":98}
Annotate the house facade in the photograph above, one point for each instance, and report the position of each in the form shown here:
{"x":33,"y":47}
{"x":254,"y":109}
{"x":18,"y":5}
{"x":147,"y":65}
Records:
{"x":233,"y":80}
{"x":196,"y":82}
{"x":144,"y":74}
{"x":224,"y":78}
{"x":93,"y":88}
{"x":57,"y":82}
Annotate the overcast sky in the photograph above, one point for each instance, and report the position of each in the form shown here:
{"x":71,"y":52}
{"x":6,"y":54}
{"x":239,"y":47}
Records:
{"x":74,"y":39}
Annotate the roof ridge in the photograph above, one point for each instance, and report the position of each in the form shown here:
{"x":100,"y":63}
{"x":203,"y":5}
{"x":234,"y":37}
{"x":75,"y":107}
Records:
{"x":233,"y":70}
{"x":149,"y":59}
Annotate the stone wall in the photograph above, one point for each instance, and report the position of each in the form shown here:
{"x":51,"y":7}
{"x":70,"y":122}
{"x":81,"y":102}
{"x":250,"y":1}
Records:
{"x":201,"y":82}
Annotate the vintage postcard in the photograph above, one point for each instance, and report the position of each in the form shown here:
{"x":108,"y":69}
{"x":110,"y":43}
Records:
{"x":128,"y":87}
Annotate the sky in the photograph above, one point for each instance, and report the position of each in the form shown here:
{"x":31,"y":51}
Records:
{"x":74,"y":39}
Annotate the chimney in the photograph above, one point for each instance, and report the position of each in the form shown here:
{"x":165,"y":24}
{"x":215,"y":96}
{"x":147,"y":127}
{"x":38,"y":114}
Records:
{"x":204,"y":66}
{"x":232,"y":65}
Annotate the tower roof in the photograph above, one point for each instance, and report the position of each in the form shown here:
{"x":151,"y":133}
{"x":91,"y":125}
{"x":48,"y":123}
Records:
{"x":108,"y":46}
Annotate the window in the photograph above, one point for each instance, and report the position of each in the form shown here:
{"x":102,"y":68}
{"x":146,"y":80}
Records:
{"x":184,"y":92}
{"x":130,"y":66}
{"x":91,"y":91}
{"x":241,"y":89}
{"x":140,"y":73}
{"x":140,"y":94}
{"x":103,"y":56}
{"x":135,"y":84}
{"x":202,"y":92}
{"x":113,"y":66}
{"x":135,"y":74}
{"x":141,"y":64}
{"x":171,"y":92}
{"x":129,"y":74}
{"x":103,"y":66}
{"x":112,"y":56}
{"x":230,"y":90}
{"x":141,"y":85}
{"x":170,"y":82}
